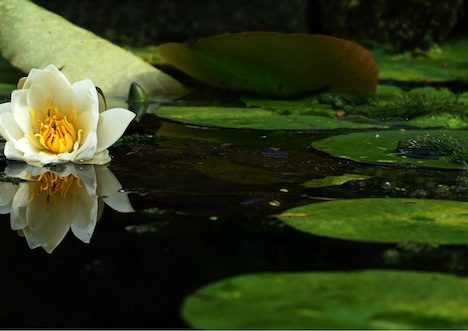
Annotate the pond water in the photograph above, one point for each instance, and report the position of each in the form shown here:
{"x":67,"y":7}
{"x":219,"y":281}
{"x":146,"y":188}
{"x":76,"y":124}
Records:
{"x":205,"y":202}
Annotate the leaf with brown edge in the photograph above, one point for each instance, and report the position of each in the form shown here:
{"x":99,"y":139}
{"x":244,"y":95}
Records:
{"x":275,"y":64}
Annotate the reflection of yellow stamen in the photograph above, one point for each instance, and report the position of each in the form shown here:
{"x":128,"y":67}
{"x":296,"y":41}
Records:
{"x":53,"y":187}
{"x":54,"y":131}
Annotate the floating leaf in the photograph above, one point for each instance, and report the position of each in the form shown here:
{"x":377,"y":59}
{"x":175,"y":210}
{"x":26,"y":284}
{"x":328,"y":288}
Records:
{"x":389,"y":220}
{"x":274,"y":63}
{"x":32,"y":37}
{"x":381,"y":147}
{"x":331,"y":300}
{"x":334,"y":180}
{"x":256,"y":118}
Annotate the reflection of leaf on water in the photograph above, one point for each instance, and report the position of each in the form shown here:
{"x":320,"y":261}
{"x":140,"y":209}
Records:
{"x":51,"y":201}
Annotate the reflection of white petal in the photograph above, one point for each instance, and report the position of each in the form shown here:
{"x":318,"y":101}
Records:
{"x":47,"y":226}
{"x":109,"y":189}
{"x":44,"y":217}
{"x":19,"y":207}
{"x":85,"y":218}
{"x":7,"y":193}
{"x":112,"y":124}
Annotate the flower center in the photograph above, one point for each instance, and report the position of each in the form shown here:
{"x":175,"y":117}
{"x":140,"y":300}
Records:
{"x":54,"y":131}
{"x":54,"y":187}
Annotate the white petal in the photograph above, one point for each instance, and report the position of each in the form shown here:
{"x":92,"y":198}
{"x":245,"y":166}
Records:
{"x":5,"y":107}
{"x":52,"y":80}
{"x":112,"y":124}
{"x":86,"y":97}
{"x":12,"y":153}
{"x":8,"y":127}
{"x":99,"y":158}
{"x":37,"y":97}
{"x":87,"y":149}
{"x":25,"y":146}
{"x":109,"y":189}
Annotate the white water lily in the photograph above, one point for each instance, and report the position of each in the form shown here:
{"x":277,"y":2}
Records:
{"x":51,"y":121}
{"x":48,"y":203}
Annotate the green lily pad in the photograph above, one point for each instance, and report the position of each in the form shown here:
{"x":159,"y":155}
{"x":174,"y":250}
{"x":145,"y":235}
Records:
{"x":256,"y":118}
{"x":389,"y":220}
{"x":274,"y":63}
{"x":445,"y":63}
{"x":32,"y":37}
{"x":381,"y":147}
{"x":331,"y":300}
{"x":334,"y":180}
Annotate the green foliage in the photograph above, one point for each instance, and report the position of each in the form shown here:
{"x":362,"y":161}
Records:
{"x":413,"y":104}
{"x":430,"y":145}
{"x":138,"y":139}
{"x":444,"y":63}
{"x":382,"y":147}
{"x":275,"y":64}
{"x":331,"y":300}
{"x":389,"y":220}
{"x":32,"y":37}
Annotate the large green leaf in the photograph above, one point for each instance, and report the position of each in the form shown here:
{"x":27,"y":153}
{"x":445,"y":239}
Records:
{"x":381,"y":147}
{"x":32,"y":37}
{"x":257,"y":118}
{"x":384,"y":220}
{"x":274,"y":63}
{"x":337,"y":300}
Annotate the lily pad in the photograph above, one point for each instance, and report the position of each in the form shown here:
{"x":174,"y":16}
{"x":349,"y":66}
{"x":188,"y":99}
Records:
{"x":32,"y":37}
{"x":256,"y":118}
{"x":331,"y":300}
{"x":444,"y":63}
{"x":388,"y":220}
{"x":334,"y":180}
{"x":381,"y":147}
{"x":275,"y":63}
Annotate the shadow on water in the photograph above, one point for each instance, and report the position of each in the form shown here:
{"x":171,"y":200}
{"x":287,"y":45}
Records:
{"x":205,"y":202}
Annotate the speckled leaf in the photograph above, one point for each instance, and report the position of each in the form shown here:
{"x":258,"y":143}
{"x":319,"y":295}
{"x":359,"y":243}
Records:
{"x":256,"y":118}
{"x":384,"y":220}
{"x":331,"y":300}
{"x":274,"y":63}
{"x":32,"y":37}
{"x":381,"y":147}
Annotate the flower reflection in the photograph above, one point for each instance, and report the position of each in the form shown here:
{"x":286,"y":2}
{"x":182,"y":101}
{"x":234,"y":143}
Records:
{"x":47,"y":202}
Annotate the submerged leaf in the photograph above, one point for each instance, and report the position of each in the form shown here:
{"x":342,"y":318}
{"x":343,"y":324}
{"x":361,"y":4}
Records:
{"x":275,"y":64}
{"x":389,"y":220}
{"x":32,"y":37}
{"x":331,"y":300}
{"x":334,"y":180}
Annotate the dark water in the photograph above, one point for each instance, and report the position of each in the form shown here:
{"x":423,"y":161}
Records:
{"x":205,"y":201}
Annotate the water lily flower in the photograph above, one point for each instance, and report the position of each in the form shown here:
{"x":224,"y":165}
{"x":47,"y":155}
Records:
{"x":47,"y":203}
{"x":51,"y":121}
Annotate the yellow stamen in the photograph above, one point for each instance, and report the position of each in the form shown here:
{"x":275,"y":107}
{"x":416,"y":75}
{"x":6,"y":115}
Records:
{"x":53,"y":131}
